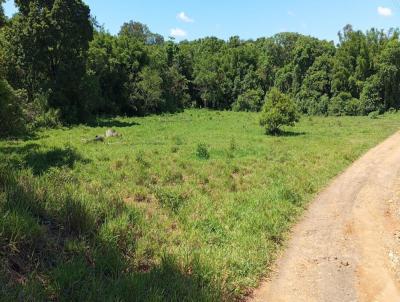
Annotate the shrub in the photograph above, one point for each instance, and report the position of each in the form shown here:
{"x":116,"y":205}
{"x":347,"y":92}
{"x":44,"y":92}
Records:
{"x":47,"y":117}
{"x":279,"y":110}
{"x":251,"y":100}
{"x":345,"y":104}
{"x":373,"y":115}
{"x":12,"y":121}
{"x":202,"y":151}
{"x":39,"y":114}
{"x":338,"y":104}
{"x":323,"y":105}
{"x":313,"y":104}
{"x":353,"y":107}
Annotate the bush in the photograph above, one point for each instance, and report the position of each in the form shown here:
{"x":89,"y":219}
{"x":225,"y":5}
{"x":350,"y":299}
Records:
{"x":373,"y":115}
{"x":251,"y":100}
{"x":279,"y":110}
{"x":39,"y":114}
{"x":344,"y":104}
{"x":311,"y":103}
{"x":202,"y":151}
{"x":353,"y":107}
{"x":12,"y":120}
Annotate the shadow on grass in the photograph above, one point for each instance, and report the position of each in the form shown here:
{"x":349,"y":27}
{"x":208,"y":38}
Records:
{"x":111,"y":123}
{"x":283,"y":133}
{"x":165,"y":282}
{"x":41,"y":161}
{"x":53,"y":235}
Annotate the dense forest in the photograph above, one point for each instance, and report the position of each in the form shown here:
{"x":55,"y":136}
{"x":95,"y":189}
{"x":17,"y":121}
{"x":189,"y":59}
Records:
{"x":57,"y":65}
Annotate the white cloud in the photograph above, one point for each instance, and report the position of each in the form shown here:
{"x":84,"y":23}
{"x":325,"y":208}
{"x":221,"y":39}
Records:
{"x":178,"y":33}
{"x":184,"y":18}
{"x":290,"y":13}
{"x":385,"y":11}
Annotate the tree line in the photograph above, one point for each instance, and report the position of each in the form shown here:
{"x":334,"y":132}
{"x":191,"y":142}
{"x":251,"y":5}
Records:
{"x":57,"y":65}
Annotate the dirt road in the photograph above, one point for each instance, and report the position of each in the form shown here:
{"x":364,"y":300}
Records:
{"x":347,"y":246}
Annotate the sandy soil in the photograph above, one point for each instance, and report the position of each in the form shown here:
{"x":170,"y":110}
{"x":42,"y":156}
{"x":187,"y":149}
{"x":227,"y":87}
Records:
{"x":347,"y":246}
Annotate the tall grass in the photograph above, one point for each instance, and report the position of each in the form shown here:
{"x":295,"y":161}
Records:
{"x":187,"y":207}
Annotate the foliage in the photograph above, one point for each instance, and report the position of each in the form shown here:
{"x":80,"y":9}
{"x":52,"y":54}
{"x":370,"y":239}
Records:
{"x":371,"y":95}
{"x":46,"y":45}
{"x":344,"y":104}
{"x":373,"y":115}
{"x":279,"y":110}
{"x":202,"y":151}
{"x":141,"y":32}
{"x":55,"y":48}
{"x":12,"y":121}
{"x":147,"y":96}
{"x":75,"y":224}
{"x":251,"y":100}
{"x":41,"y":115}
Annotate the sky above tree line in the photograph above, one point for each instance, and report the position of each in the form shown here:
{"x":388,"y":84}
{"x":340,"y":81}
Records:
{"x":192,"y":19}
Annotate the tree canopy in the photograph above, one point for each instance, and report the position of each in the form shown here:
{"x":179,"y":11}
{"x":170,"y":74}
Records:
{"x":53,"y":50}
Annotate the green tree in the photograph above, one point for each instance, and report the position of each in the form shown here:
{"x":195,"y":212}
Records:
{"x":137,"y":30}
{"x":279,"y":110}
{"x":47,"y":42}
{"x":251,"y":100}
{"x":316,"y":86}
{"x":353,"y":63}
{"x":372,"y":95}
{"x":148,"y":95}
{"x":389,"y":74}
{"x":3,"y":17}
{"x":175,"y":90}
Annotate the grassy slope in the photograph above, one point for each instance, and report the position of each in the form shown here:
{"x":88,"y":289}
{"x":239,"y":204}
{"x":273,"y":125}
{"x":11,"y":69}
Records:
{"x":141,"y":216}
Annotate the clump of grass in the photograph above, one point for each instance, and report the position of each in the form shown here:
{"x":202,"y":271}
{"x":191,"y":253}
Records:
{"x":173,"y":177}
{"x":232,"y":145}
{"x":140,"y":159}
{"x":19,"y":230}
{"x":202,"y":151}
{"x":231,"y":149}
{"x":170,"y":199}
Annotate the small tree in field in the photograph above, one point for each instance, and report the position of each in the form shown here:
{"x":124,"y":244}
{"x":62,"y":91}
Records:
{"x":278,"y":110}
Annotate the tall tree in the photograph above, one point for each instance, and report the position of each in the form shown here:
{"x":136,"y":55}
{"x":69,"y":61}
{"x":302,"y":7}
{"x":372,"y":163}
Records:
{"x":2,"y":15}
{"x":141,"y":32}
{"x":48,"y":42}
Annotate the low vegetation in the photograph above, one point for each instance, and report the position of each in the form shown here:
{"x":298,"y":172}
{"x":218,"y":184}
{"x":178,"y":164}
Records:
{"x":185,"y":207}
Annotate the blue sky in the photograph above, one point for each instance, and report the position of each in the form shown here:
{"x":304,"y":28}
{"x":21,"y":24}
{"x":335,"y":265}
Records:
{"x":191,"y":19}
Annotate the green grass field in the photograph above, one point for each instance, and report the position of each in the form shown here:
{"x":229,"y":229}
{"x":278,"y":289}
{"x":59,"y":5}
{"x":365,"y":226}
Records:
{"x":185,"y":207}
